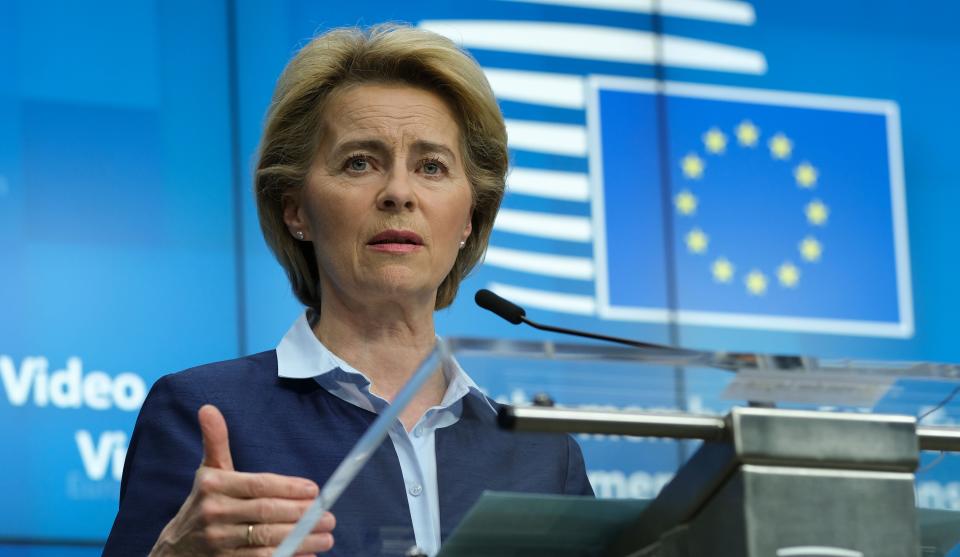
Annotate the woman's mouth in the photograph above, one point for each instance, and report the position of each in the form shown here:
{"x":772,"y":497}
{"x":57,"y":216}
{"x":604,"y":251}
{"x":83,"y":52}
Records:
{"x":396,"y":241}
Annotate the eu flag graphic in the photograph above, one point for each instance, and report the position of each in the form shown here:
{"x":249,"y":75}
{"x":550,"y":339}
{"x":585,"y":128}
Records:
{"x":787,"y":210}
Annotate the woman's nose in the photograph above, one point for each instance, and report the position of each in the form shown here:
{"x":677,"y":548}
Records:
{"x":397,"y":193}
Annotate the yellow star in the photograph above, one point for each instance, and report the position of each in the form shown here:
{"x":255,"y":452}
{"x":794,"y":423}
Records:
{"x":811,"y":249}
{"x":715,"y":141}
{"x":806,"y":175}
{"x":697,"y":241}
{"x":780,"y":146}
{"x":692,"y":166}
{"x":722,"y":270}
{"x":747,"y":134}
{"x":686,"y":203}
{"x":789,"y":275}
{"x":756,"y":283}
{"x":817,"y":213}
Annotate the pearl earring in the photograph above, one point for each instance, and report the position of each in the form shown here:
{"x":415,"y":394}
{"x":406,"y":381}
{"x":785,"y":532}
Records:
{"x":462,"y":243}
{"x":300,"y":234}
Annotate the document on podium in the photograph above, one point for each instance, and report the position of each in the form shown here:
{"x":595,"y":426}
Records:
{"x":528,"y":525}
{"x":939,"y":531}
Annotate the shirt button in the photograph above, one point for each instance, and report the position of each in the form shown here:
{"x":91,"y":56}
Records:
{"x":415,"y":490}
{"x":418,"y":431}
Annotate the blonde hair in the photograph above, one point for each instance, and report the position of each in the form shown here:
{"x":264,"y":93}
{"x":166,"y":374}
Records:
{"x":385,"y":53}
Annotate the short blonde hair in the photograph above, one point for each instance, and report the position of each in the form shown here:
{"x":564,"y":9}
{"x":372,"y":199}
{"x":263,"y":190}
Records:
{"x":385,"y":53}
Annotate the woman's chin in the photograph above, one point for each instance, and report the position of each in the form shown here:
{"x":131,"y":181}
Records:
{"x":401,"y":284}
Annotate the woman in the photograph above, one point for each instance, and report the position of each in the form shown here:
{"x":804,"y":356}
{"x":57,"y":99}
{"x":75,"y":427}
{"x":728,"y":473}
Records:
{"x":381,"y":170}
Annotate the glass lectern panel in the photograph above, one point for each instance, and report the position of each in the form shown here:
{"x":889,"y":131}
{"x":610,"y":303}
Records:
{"x":591,"y":376}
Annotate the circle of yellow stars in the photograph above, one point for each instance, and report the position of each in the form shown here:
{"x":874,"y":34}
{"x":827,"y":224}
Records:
{"x":817,"y":213}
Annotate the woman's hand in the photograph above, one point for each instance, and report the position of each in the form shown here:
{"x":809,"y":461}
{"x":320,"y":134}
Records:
{"x":237,"y":513}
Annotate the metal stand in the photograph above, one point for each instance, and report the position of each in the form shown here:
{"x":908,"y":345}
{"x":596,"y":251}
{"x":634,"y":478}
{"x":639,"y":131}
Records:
{"x":770,"y":482}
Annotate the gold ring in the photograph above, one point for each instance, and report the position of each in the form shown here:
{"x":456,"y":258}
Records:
{"x":250,"y":535}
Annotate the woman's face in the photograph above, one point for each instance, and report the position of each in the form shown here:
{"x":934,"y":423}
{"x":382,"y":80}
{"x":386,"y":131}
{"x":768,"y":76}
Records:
{"x":387,"y":201}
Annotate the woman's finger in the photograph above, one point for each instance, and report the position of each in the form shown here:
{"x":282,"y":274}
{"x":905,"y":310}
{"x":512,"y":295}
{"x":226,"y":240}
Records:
{"x":272,"y":535}
{"x":216,"y":443}
{"x":257,"y":534}
{"x":230,"y":510}
{"x":246,"y":485}
{"x":262,"y":552}
{"x":326,"y":523}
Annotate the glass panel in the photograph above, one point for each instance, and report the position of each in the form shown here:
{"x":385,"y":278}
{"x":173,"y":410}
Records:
{"x":622,"y":378}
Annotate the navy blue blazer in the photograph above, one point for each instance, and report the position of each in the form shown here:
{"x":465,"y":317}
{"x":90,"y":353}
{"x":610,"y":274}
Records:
{"x":295,"y":427}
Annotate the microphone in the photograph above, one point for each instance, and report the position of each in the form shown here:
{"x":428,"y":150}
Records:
{"x":516,"y":315}
{"x":501,"y":306}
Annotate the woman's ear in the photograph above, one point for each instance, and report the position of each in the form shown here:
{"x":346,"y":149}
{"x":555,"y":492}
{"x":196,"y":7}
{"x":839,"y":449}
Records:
{"x":467,"y":230}
{"x":294,"y":218}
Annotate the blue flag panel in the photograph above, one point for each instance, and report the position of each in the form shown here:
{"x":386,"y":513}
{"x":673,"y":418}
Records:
{"x":787,"y":210}
{"x":628,"y":216}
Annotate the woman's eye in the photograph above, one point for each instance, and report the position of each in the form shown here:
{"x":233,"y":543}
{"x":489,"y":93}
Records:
{"x":358,"y":164}
{"x":432,"y":168}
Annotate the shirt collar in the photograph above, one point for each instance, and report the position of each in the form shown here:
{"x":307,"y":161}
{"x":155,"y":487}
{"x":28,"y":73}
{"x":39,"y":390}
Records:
{"x":301,"y":355}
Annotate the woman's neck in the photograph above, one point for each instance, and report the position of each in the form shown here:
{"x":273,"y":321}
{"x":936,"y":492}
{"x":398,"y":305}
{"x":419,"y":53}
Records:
{"x":387,"y":342}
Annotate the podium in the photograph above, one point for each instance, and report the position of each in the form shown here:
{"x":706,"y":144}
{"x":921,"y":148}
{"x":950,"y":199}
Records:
{"x":775,"y":477}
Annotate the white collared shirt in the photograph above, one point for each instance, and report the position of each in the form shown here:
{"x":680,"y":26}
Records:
{"x":301,"y":355}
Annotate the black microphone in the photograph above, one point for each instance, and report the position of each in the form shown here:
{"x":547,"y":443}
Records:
{"x":501,"y":306}
{"x":516,"y":315}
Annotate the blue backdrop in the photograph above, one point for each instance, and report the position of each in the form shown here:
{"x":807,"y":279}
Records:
{"x":744,"y":176}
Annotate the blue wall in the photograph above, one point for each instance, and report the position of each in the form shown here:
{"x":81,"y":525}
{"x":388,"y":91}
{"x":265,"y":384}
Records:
{"x":129,"y":245}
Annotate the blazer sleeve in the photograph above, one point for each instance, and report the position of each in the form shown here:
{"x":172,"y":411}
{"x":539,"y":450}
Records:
{"x":576,"y":482}
{"x":164,"y":453}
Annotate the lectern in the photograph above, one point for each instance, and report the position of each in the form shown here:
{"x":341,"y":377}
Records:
{"x":779,"y":475}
